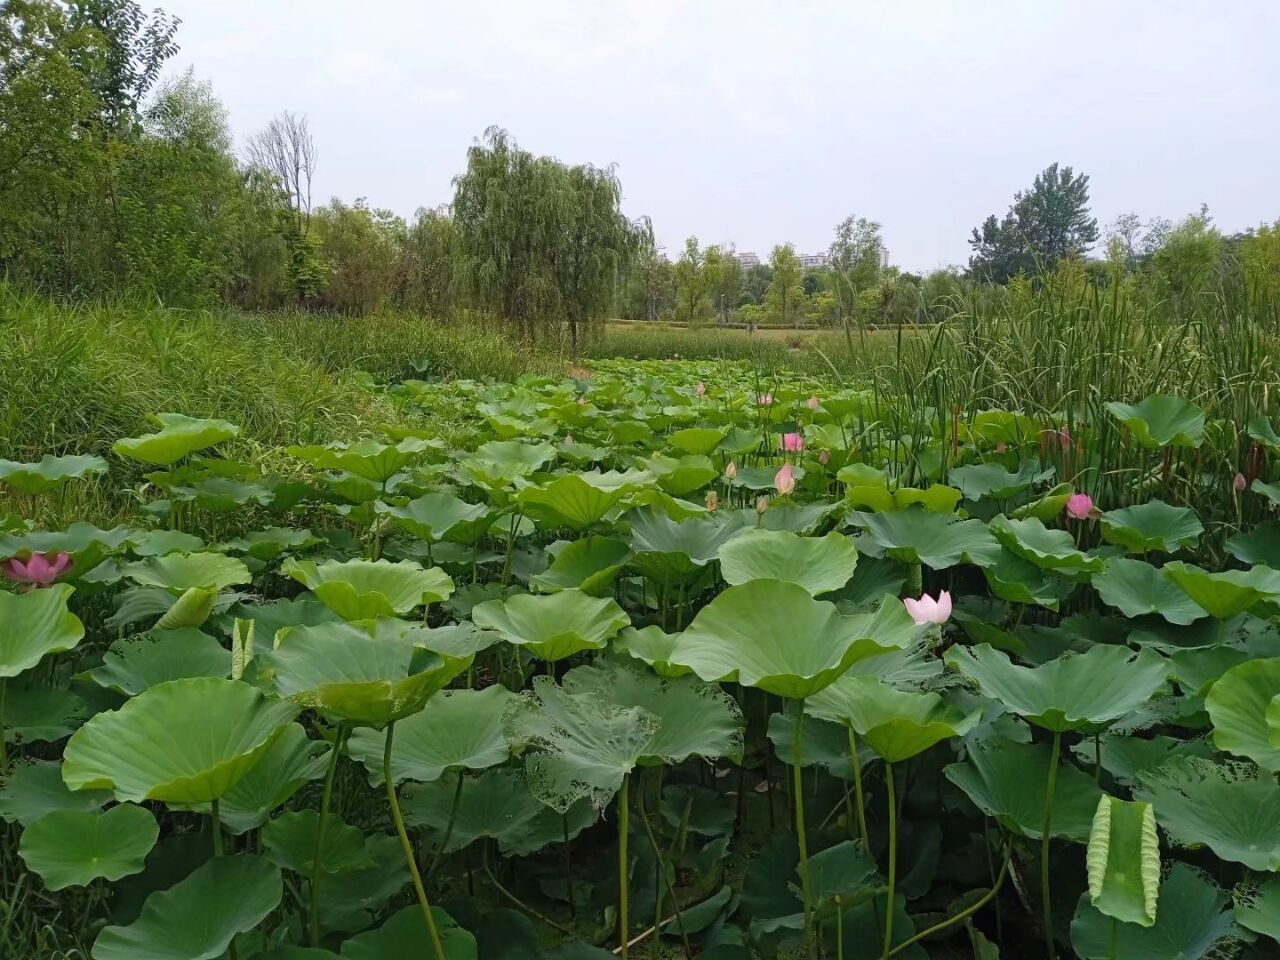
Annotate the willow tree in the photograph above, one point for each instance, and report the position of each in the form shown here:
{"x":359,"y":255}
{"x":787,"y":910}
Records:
{"x":538,"y":242}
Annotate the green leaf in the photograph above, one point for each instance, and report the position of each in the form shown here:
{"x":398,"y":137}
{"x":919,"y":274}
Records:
{"x":1017,"y":580}
{"x":819,"y":564}
{"x":1123,"y":860}
{"x":1048,"y":549}
{"x":406,"y":935}
{"x":197,"y":918}
{"x":1136,"y":588}
{"x":456,"y":730}
{"x":1191,"y":921}
{"x":34,"y":714}
{"x":992,"y":480}
{"x":775,"y":636}
{"x":72,"y":848}
{"x":434,"y":516}
{"x":1152,"y":526}
{"x":1258,"y":908}
{"x":365,"y":589}
{"x":700,"y":440}
{"x":33,"y":625}
{"x":1239,"y":704}
{"x":367,"y":459}
{"x":553,"y":626}
{"x":1225,"y":594}
{"x":1085,"y":692}
{"x":180,"y":572}
{"x":49,"y":474}
{"x":665,"y":550}
{"x":289,"y":841}
{"x":654,"y":646}
{"x":897,"y":724}
{"x":149,"y":749}
{"x":131,"y":666}
{"x":936,"y":540}
{"x":1006,"y":780}
{"x":1261,"y":545}
{"x":31,"y":790}
{"x":86,"y":544}
{"x":1161,"y":421}
{"x":579,"y":500}
{"x":590,"y":564}
{"x":178,"y":436}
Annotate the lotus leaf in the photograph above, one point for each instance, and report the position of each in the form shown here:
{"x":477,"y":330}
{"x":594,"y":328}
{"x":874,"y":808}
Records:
{"x":33,"y":625}
{"x":698,"y":440}
{"x":178,"y":436}
{"x":405,"y":935}
{"x":774,"y":635}
{"x":434,"y":516}
{"x":654,"y":646}
{"x":1261,"y":545}
{"x":935,"y":540}
{"x":1226,"y":594}
{"x":131,"y":666}
{"x":34,"y":713}
{"x":289,"y":841}
{"x":579,"y":500}
{"x":1049,"y":549}
{"x":553,"y":626}
{"x":591,"y":565}
{"x":664,"y":549}
{"x":49,"y":474}
{"x":1123,"y":861}
{"x":1258,"y":908}
{"x":819,"y":564}
{"x":1136,"y":588}
{"x":30,"y":790}
{"x":1161,"y":421}
{"x":86,"y":544}
{"x":180,"y":572}
{"x":1016,"y":580}
{"x":148,"y":749}
{"x":365,"y":589}
{"x":367,"y":459}
{"x":897,"y":724}
{"x":72,"y":848}
{"x":1239,"y":706}
{"x":993,"y":481}
{"x":1152,"y":526}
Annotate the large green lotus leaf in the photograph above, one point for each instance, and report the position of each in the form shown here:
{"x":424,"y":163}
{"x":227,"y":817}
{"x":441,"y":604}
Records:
{"x":1226,"y":594}
{"x":672,"y":507}
{"x":33,"y":625}
{"x":72,"y":848}
{"x":822,"y":744}
{"x":180,"y":572}
{"x":664,"y":549}
{"x":289,"y":841}
{"x":296,"y":953}
{"x":774,"y":635}
{"x":654,"y":646}
{"x":498,"y":463}
{"x":288,"y":764}
{"x":1238,"y":705}
{"x":681,"y":476}
{"x":1085,"y":692}
{"x":367,"y":459}
{"x":365,"y":589}
{"x":1047,"y":508}
{"x":131,"y":666}
{"x":150,"y":749}
{"x":694,"y":718}
{"x":701,"y":440}
{"x":86,"y":544}
{"x":178,"y":436}
{"x":30,"y":790}
{"x":1269,"y":490}
{"x":34,"y":713}
{"x":497,"y":804}
{"x":936,"y":540}
{"x":1136,"y":588}
{"x":1261,"y":545}
{"x":49,"y":474}
{"x":555,"y":625}
{"x":1161,"y":421}
{"x":579,"y":500}
{"x":433,"y":516}
{"x":1017,"y":580}
{"x":1050,"y":549}
{"x":1006,"y":780}
{"x":937,"y":498}
{"x":1192,"y":921}
{"x":797,"y":517}
{"x":1128,"y":758}
{"x":406,"y":935}
{"x":994,"y":426}
{"x":349,"y":899}
{"x":1154,"y":525}
{"x":897,"y":724}
{"x":1223,"y":806}
{"x":583,"y":745}
{"x":197,"y":918}
{"x":270,"y":543}
{"x":992,"y":480}
{"x":818,"y":564}
{"x":1123,"y":861}
{"x":591,"y":564}
{"x":364,"y":678}
{"x":460,"y":729}
{"x":1258,"y":908}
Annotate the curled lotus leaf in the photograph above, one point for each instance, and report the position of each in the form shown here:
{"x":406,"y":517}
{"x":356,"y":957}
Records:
{"x":33,"y":625}
{"x":591,"y":564}
{"x":1241,"y":706}
{"x":177,"y":437}
{"x":580,"y":500}
{"x":936,"y":540}
{"x":1123,"y":861}
{"x":1228,"y":593}
{"x":1136,"y":588}
{"x":366,"y":589}
{"x":433,"y":516}
{"x":49,"y":473}
{"x":555,"y":625}
{"x":654,"y":646}
{"x":180,"y":572}
{"x":133,"y":665}
{"x":1047,"y":548}
{"x":367,"y":459}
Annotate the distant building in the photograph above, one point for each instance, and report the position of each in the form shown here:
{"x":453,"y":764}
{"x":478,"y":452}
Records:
{"x":813,"y":259}
{"x":884,"y":257}
{"x":747,"y":259}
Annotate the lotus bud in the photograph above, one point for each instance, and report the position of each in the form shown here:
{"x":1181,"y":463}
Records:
{"x":813,"y":403}
{"x":765,"y":400}
{"x":762,"y":504}
{"x":700,"y":389}
{"x":824,"y":457}
{"x":792,"y":442}
{"x":1238,"y":483}
{"x":784,"y":480}
{"x":731,"y":471}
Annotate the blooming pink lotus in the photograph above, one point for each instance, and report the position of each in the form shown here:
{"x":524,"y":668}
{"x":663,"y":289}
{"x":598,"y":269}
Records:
{"x":40,"y":569}
{"x":792,"y":442}
{"x":731,"y":471}
{"x":1080,"y":506}
{"x":784,"y":480}
{"x":765,"y":400}
{"x":700,"y":389}
{"x":927,"y":610}
{"x":1238,"y":483}
{"x":813,"y":403}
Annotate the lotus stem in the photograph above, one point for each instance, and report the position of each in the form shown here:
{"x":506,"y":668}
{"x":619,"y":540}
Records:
{"x":664,"y":884}
{"x":797,"y":779}
{"x":448,"y":830}
{"x":623,"y":893}
{"x":325,"y":799}
{"x":915,"y":580}
{"x":1114,"y":952}
{"x":568,"y":866}
{"x":215,"y":815}
{"x":1045,"y":899}
{"x":406,"y":846}
{"x":857,"y":789}
{"x":497,"y":885}
{"x":966,"y":912}
{"x":893,"y":859}
{"x":839,"y":928}
{"x":4,"y":747}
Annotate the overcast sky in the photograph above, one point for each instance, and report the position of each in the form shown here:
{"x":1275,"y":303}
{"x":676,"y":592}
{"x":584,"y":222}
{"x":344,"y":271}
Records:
{"x":763,"y":123}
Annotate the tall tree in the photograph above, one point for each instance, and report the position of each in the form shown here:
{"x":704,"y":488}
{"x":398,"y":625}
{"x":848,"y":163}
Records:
{"x":691,"y":283}
{"x":724,"y":280}
{"x":286,"y":149}
{"x":786,"y":291}
{"x":1046,"y":223}
{"x":854,"y":259}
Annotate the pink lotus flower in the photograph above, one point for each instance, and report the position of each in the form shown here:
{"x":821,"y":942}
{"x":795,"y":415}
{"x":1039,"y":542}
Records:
{"x":731,"y":471}
{"x":792,"y":442}
{"x":927,"y":610}
{"x":765,"y":400}
{"x":785,"y":480}
{"x":1080,"y":506}
{"x":700,"y":389}
{"x":813,"y":403}
{"x":762,"y":504}
{"x":1238,"y":483}
{"x":824,"y":457}
{"x":39,"y":570}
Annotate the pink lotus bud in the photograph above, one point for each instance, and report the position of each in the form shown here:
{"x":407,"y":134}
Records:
{"x":785,"y":480}
{"x":927,"y":610}
{"x":1080,"y":506}
{"x":713,"y":500}
{"x":762,"y":504}
{"x":700,"y":389}
{"x":792,"y":442}
{"x":1001,"y":447}
{"x":1238,"y":483}
{"x":765,"y":400}
{"x":813,"y":403}
{"x":731,"y":471}
{"x":38,"y":570}
{"x":824,"y":457}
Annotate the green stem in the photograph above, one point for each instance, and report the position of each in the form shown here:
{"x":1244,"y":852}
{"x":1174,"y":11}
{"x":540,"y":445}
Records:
{"x":497,"y":885}
{"x":1045,"y":899}
{"x":839,"y":929}
{"x":664,"y":884}
{"x":798,"y":798}
{"x":893,"y":859}
{"x":321,"y":827}
{"x":215,"y":814}
{"x":1113,"y":953}
{"x":915,"y":580}
{"x":1097,"y":757}
{"x":966,"y":912}
{"x":448,"y":830}
{"x":857,"y":789}
{"x":623,"y":893}
{"x":406,"y":846}
{"x":4,"y":747}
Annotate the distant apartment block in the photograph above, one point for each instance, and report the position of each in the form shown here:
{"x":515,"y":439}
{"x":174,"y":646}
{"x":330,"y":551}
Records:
{"x":748,"y":259}
{"x":813,"y":259}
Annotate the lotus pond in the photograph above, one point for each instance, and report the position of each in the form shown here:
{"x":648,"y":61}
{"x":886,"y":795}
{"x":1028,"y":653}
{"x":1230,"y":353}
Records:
{"x":665,"y":660}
